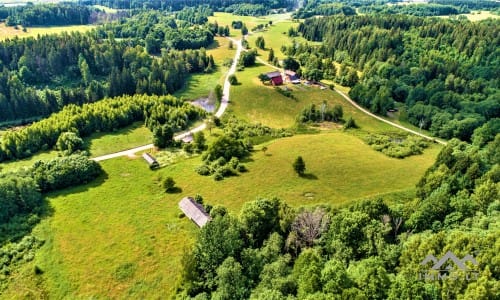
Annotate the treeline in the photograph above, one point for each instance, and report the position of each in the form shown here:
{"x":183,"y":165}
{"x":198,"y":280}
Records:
{"x":47,"y":14}
{"x":105,"y":115}
{"x":156,"y":31}
{"x":320,"y":8}
{"x":247,"y":9}
{"x":444,"y":72}
{"x":176,"y":5}
{"x":97,"y":66}
{"x":421,"y":10}
{"x":367,"y":250}
{"x":195,"y":15}
{"x":470,"y":4}
{"x":21,"y":192}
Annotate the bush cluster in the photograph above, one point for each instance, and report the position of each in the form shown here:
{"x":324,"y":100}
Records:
{"x":15,"y":253}
{"x":221,"y":168}
{"x":397,"y":145}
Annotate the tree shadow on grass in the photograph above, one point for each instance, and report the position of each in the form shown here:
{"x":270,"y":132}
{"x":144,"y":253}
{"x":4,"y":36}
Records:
{"x":309,"y":176}
{"x":175,"y":190}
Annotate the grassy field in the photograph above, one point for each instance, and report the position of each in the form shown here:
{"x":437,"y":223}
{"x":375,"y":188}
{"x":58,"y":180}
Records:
{"x":253,"y":101}
{"x":224,"y":19}
{"x":120,"y":236}
{"x":276,"y":36}
{"x":125,"y":138}
{"x":10,"y":32}
{"x":477,"y":15}
{"x":200,"y":85}
{"x":97,"y":144}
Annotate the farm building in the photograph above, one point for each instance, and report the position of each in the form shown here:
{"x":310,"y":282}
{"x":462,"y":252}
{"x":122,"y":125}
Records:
{"x":194,"y":211}
{"x":275,"y":78}
{"x":187,"y":139}
{"x":152,"y":162}
{"x":292,"y":77}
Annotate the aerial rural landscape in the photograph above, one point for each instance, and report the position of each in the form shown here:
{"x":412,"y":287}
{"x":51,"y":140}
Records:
{"x":284,"y":149}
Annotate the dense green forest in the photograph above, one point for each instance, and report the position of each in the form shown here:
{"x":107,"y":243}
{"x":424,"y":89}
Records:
{"x":156,"y":31}
{"x":423,"y":10}
{"x":442,"y":74}
{"x":41,"y":76}
{"x":323,"y":8}
{"x":175,"y":5}
{"x":165,"y":112}
{"x":48,"y":14}
{"x":367,"y":250}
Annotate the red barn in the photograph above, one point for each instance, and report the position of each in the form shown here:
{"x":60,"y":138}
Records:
{"x":275,"y":78}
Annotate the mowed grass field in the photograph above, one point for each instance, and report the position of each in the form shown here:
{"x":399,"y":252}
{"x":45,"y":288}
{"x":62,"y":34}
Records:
{"x":256,"y":102}
{"x":121,"y":236}
{"x":224,"y":19}
{"x":11,"y":32}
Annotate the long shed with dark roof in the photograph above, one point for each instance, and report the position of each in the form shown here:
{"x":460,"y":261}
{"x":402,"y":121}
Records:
{"x":194,"y":211}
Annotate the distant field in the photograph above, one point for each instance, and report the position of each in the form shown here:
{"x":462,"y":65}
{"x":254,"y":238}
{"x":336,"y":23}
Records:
{"x":10,"y":32}
{"x":224,"y":19}
{"x":126,"y":220}
{"x":481,"y":15}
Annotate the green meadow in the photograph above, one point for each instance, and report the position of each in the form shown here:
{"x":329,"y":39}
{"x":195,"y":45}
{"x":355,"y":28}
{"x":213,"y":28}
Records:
{"x":121,"y":236}
{"x":256,"y":102}
{"x":10,"y":32}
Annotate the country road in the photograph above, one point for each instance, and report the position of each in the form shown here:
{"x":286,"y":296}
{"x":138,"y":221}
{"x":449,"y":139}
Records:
{"x":222,"y":108}
{"x":387,"y":121}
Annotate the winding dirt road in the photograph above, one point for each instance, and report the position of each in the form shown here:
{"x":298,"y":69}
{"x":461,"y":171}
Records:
{"x":362,"y":109}
{"x":222,"y":108}
{"x":387,"y":121}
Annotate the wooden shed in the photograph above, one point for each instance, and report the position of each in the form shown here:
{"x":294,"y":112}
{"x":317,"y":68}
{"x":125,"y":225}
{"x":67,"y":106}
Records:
{"x":152,"y":162}
{"x":194,"y":211}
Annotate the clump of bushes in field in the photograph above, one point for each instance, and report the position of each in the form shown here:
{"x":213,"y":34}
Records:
{"x":253,"y":133}
{"x":285,"y":92}
{"x":12,"y":254}
{"x":397,"y":145}
{"x":222,"y":158}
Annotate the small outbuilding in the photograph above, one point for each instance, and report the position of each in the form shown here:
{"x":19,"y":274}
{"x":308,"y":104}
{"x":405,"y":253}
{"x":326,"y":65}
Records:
{"x":275,"y":78}
{"x":152,"y":162}
{"x":194,"y":211}
{"x":292,"y":77}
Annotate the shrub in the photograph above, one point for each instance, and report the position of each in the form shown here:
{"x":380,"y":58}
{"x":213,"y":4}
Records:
{"x":203,"y":170}
{"x":350,"y":123}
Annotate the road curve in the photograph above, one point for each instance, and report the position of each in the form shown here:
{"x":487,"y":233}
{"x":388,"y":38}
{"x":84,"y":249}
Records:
{"x":222,"y":108}
{"x":386,"y":121}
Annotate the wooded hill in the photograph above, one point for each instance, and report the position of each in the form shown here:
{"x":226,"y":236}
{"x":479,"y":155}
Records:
{"x":443,"y":73}
{"x":367,"y":250}
{"x":41,"y":76}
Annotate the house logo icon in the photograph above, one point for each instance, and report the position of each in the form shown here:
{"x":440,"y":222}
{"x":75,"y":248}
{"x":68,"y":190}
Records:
{"x":444,"y":267}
